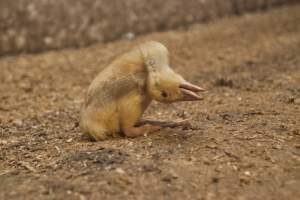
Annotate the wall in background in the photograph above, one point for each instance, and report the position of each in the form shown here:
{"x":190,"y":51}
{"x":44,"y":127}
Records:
{"x":37,"y":25}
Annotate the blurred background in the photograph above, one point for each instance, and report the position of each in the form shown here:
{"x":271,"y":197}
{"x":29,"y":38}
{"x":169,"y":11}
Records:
{"x":37,"y":25}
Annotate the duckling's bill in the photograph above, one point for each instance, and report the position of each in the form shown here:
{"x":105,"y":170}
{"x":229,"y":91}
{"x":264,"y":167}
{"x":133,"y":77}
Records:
{"x":189,"y":92}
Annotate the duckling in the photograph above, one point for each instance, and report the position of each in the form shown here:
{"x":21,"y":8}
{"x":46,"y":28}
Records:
{"x":120,"y":94}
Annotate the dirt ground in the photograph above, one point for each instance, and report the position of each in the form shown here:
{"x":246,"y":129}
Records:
{"x":245,"y":138}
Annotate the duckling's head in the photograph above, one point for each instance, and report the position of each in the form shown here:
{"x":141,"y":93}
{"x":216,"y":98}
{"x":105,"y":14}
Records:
{"x":163,"y":84}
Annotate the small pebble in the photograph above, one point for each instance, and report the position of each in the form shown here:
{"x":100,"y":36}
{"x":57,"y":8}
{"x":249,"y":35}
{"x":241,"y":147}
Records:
{"x":129,"y":36}
{"x":18,"y":122}
{"x":247,"y":173}
{"x":169,"y":177}
{"x":69,"y":140}
{"x":297,"y":146}
{"x":297,"y":101}
{"x":120,"y":171}
{"x":276,"y":146}
{"x":206,"y":161}
{"x":211,"y":146}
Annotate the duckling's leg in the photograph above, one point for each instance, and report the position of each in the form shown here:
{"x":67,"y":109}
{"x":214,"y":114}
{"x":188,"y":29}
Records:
{"x":92,"y":128}
{"x":141,"y":130}
{"x":96,"y":132}
{"x":165,"y":124}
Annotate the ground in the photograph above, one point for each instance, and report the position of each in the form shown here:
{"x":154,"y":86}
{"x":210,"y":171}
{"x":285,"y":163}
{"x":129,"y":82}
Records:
{"x":244,"y":142}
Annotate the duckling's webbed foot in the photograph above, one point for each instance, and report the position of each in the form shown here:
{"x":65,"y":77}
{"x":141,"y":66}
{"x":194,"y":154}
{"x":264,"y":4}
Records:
{"x":140,"y":130}
{"x":165,"y":124}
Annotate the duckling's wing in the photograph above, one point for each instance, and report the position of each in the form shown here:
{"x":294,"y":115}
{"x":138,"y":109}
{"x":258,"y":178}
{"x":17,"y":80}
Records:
{"x":111,"y":85}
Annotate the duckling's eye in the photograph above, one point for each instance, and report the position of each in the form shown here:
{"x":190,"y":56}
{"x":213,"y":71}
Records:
{"x":164,"y":94}
{"x":151,"y":62}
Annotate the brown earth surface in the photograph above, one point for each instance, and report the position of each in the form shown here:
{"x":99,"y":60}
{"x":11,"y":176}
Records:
{"x":245,"y":139}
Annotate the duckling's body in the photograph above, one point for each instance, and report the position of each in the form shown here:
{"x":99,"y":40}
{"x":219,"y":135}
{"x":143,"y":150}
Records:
{"x":120,"y":94}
